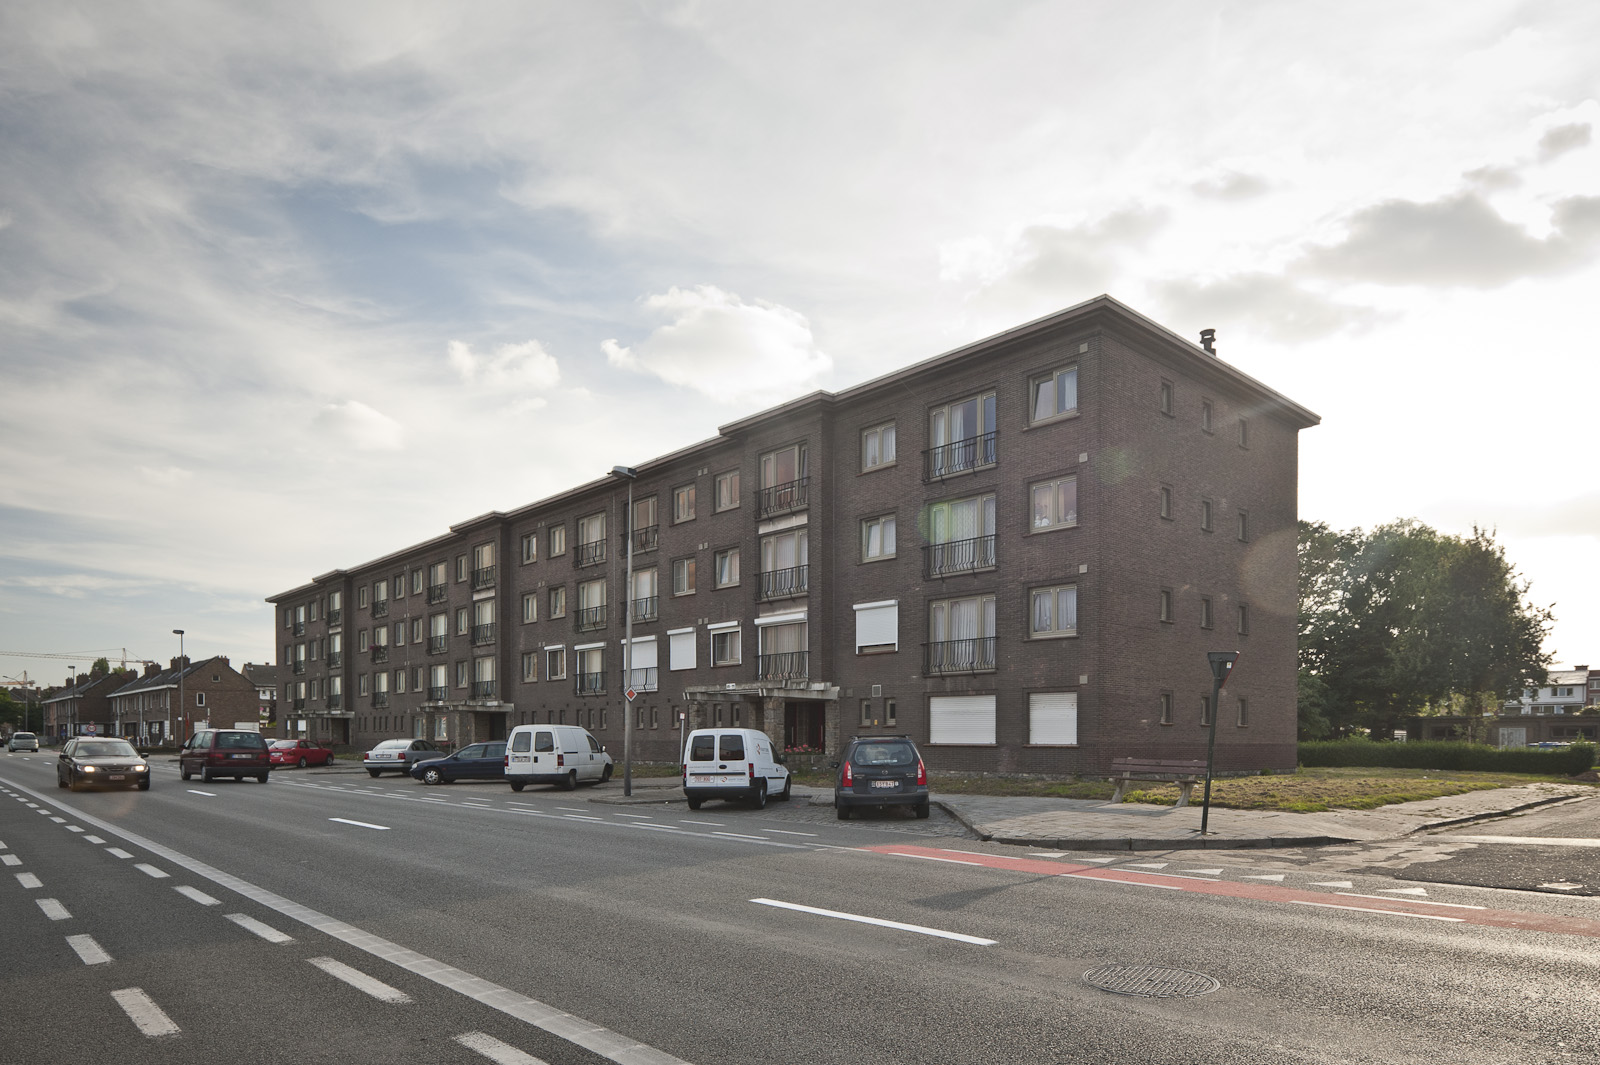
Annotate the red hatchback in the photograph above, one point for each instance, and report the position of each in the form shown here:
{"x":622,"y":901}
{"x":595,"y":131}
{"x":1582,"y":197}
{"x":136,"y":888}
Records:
{"x":225,"y":752}
{"x":299,"y":753}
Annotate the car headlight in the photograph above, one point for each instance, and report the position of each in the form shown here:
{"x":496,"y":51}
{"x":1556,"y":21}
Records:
{"x":141,"y":769}
{"x":88,"y":768}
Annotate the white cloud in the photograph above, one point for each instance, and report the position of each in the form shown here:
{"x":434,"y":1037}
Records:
{"x":166,"y":475}
{"x":512,"y":366}
{"x":358,"y":425}
{"x":723,"y":347}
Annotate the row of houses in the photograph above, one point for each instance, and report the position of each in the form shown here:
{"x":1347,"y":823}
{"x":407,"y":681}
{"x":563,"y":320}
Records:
{"x":1566,"y":709}
{"x":1018,"y":552}
{"x":153,"y":705}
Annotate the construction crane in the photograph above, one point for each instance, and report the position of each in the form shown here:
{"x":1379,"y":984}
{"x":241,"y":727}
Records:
{"x":80,"y":656}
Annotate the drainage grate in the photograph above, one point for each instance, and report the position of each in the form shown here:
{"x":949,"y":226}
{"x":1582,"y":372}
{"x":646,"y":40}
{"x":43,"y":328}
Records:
{"x":1150,"y":981}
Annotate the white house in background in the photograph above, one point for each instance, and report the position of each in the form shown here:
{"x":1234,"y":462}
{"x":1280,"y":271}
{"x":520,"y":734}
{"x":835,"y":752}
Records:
{"x":1566,"y":692}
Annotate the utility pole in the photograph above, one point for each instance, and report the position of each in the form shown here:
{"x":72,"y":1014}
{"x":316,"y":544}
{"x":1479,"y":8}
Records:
{"x":1221,"y":663}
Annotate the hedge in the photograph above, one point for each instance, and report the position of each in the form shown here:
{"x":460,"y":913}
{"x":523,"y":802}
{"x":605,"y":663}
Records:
{"x":1566,"y":761}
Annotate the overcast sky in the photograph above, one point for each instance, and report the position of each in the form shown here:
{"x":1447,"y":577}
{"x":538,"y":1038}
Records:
{"x":284,"y":286}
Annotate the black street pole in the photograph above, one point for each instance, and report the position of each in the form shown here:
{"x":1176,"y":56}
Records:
{"x":1221,"y":667}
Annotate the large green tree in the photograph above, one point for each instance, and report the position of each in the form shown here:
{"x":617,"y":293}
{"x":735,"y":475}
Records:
{"x":1404,"y":617}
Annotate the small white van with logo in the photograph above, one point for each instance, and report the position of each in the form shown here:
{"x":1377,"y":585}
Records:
{"x":733,"y":763}
{"x":555,"y":754}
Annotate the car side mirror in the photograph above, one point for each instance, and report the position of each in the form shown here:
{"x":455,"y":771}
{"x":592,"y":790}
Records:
{"x":781,"y":759}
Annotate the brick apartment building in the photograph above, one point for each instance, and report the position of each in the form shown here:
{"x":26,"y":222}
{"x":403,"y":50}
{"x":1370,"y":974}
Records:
{"x":1018,"y":552}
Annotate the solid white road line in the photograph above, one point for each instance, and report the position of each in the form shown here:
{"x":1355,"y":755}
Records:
{"x":118,"y":852}
{"x":787,"y":832}
{"x":1114,"y":880}
{"x":880,"y":922}
{"x":361,"y":981}
{"x":150,"y":870}
{"x":713,"y":824}
{"x":359,"y":824}
{"x":88,"y":950}
{"x":739,"y":835}
{"x":1372,"y":909}
{"x":10,"y":859}
{"x":29,"y":881}
{"x":197,"y":895}
{"x":265,"y":931}
{"x":641,"y":817}
{"x":931,"y":858}
{"x":53,"y":909}
{"x":496,"y":1051}
{"x":144,"y":1013}
{"x":207,"y":794}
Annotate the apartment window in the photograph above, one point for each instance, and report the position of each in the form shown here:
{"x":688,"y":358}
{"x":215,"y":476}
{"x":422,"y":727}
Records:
{"x":417,"y":681}
{"x":961,"y":536}
{"x":962,"y":435}
{"x":783,"y":481}
{"x":1205,"y":611}
{"x":683,"y":576}
{"x":1244,"y":526}
{"x":877,"y":538}
{"x":727,"y":487}
{"x":964,"y":720}
{"x":1166,"y":605}
{"x":1244,"y":714}
{"x":1244,"y":432}
{"x":483,"y":678}
{"x":530,"y":607}
{"x":961,"y":634}
{"x":784,"y":565}
{"x":530,"y":547}
{"x":1205,"y":710}
{"x":1244,"y":619}
{"x":1054,"y":611}
{"x":1205,"y":415}
{"x":590,"y":666}
{"x":558,"y":602}
{"x":400,"y":681}
{"x":727,"y":567}
{"x":555,"y":663}
{"x":1054,"y":394}
{"x":530,"y":666}
{"x":877,"y":627}
{"x":1053,"y":719}
{"x":683,"y":503}
{"x":877,"y":446}
{"x":461,"y":568}
{"x":416,"y":581}
{"x":200,"y":697}
{"x":400,"y":587}
{"x":725,"y":646}
{"x":1205,"y":515}
{"x":866,"y":712}
{"x":416,"y":630}
{"x":646,"y":604}
{"x":783,"y":651}
{"x":646,"y":528}
{"x":461,"y":621}
{"x":592,"y":604}
{"x":438,"y":632}
{"x":1164,"y":704}
{"x":363,"y":639}
{"x":1165,"y":507}
{"x":363,"y":685}
{"x":1167,"y":405}
{"x":889,"y":711}
{"x":1055,"y":504}
{"x":558,"y":540}
{"x":483,"y":621}
{"x":361,"y":596}
{"x":399,"y":634}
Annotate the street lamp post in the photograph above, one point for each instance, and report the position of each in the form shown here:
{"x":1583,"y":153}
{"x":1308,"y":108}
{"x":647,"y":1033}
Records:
{"x":630,"y":475}
{"x":183,"y":663}
{"x":1221,"y":668}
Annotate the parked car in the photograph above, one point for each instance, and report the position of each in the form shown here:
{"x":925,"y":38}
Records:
{"x":22,"y":741}
{"x":225,"y":752}
{"x":475,"y":761}
{"x":87,"y":761}
{"x":733,"y":763}
{"x":880,"y":771}
{"x":299,"y":753}
{"x":398,"y":755}
{"x":555,"y":754}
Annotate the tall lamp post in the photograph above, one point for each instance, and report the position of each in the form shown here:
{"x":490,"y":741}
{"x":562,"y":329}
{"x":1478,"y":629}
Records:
{"x":630,"y":475}
{"x":183,"y":664}
{"x":1221,"y":668}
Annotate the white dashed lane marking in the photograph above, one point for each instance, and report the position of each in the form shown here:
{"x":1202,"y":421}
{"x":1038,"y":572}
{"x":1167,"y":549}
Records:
{"x":265,"y":931}
{"x":196,"y":894}
{"x":90,"y":951}
{"x":496,"y":1051}
{"x":361,"y":981}
{"x":150,"y":870}
{"x":53,"y":909}
{"x":207,"y":794}
{"x":94,"y":839}
{"x":10,"y":859}
{"x":878,"y":921}
{"x":359,"y":824}
{"x":29,"y":881}
{"x":118,"y":852}
{"x":144,"y":1013}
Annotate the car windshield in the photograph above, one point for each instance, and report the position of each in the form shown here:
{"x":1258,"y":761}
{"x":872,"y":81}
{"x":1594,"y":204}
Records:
{"x":392,"y":745}
{"x":283,"y":745}
{"x":106,"y":749}
{"x":883,"y":754}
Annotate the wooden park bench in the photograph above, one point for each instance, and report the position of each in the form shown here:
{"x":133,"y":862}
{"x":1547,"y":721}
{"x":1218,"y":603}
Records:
{"x":1184,"y":774}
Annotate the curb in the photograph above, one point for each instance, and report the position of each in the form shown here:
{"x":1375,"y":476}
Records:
{"x":1470,"y":818}
{"x":1187,"y":843}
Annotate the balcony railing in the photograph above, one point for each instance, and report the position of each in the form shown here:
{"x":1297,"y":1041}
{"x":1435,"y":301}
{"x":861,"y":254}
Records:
{"x":380,"y":654}
{"x":645,"y":609}
{"x":335,"y":616}
{"x":783,"y":583}
{"x":336,"y":702}
{"x":334,"y":660}
{"x":299,"y":628}
{"x":482,"y":577}
{"x":437,"y":593}
{"x":958,"y":556}
{"x":589,"y":683}
{"x":646,"y":537}
{"x":790,"y":665}
{"x":380,"y":699}
{"x":437,"y":644}
{"x":483,"y":689}
{"x":782,"y":498}
{"x":959,"y":656}
{"x":590,"y":618}
{"x":299,"y":665}
{"x":959,"y":457}
{"x":300,"y":702}
{"x":380,"y":608}
{"x":643,"y":680}
{"x":592,"y":553}
{"x":482,"y":634}
{"x":437,"y":694}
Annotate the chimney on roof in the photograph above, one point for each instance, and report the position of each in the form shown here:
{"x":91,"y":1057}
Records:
{"x":152,"y":668}
{"x":83,"y":678}
{"x":1208,"y":340}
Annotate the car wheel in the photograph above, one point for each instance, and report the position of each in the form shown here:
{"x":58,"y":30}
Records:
{"x":922,"y":810}
{"x":843,"y":812}
{"x":432,"y":776}
{"x":302,"y":763}
{"x":373,"y":773}
{"x":759,"y":799}
{"x":518,"y":785}
{"x":144,"y":785}
{"x":570,"y":781}
{"x":605,"y":774}
{"x":61,"y":781}
{"x":205,"y":776}
{"x":184,"y":772}
{"x":788,"y":789}
{"x":262,"y":778}
{"x":694,"y":804}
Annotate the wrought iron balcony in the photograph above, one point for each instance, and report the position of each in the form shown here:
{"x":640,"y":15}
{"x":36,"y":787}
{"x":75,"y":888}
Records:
{"x":438,"y":644}
{"x":958,"y":556}
{"x":380,"y":608}
{"x":782,"y":498}
{"x":643,"y":680}
{"x":645,"y":609}
{"x":482,"y":634}
{"x":590,"y":618}
{"x":299,"y":628}
{"x":646,"y":538}
{"x":380,"y":653}
{"x":437,"y":694}
{"x":335,"y":616}
{"x":591,"y":554}
{"x":380,"y":699}
{"x":300,"y":703}
{"x":299,"y":665}
{"x":589,"y":683}
{"x":788,"y":666}
{"x":336,"y":702}
{"x":334,"y":659}
{"x":959,"y":456}
{"x":783,"y":583}
{"x":482,"y":578}
{"x":437,"y":593}
{"x":483,"y":689}
{"x":959,"y":656}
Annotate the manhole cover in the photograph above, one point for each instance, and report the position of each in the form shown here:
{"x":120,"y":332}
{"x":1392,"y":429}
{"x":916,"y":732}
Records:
{"x":1150,"y":981}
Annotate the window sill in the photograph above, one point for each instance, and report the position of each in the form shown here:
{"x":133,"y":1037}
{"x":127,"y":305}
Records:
{"x":1066,"y":416}
{"x":877,"y":649}
{"x":878,"y":558}
{"x":1051,"y":746}
{"x":1072,"y":635}
{"x":1037,"y":529}
{"x":881,"y":466}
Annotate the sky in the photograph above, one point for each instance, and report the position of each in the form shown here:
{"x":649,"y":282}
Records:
{"x":287,"y":286}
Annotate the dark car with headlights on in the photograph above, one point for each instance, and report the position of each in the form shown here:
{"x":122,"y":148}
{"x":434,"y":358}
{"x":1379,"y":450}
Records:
{"x":90,"y":762}
{"x":880,"y":771}
{"x":475,"y":761}
{"x":225,"y":752}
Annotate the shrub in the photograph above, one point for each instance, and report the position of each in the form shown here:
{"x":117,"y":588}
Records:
{"x":1567,"y":761}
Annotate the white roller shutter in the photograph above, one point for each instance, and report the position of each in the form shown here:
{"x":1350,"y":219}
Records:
{"x":878,"y":625}
{"x":680,"y":649}
{"x":644,"y":652}
{"x":1053,"y":718}
{"x":966,"y":719}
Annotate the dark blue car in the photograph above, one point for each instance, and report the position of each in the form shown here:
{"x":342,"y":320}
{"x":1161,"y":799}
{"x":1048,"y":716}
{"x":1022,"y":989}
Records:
{"x":475,"y":761}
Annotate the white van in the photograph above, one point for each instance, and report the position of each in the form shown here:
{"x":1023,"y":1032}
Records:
{"x":733,"y":763}
{"x":555,"y":754}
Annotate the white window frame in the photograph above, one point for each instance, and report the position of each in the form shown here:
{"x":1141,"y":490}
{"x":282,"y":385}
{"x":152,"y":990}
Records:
{"x":530,"y":607}
{"x":683,"y":568}
{"x":1060,"y":597}
{"x":878,"y":447}
{"x":558,"y":656}
{"x":1052,"y":388}
{"x":884,"y":525}
{"x":724,"y":574}
{"x":557,"y":535}
{"x":1050,"y":516}
{"x":683,"y":503}
{"x":530,"y":547}
{"x":877,"y":626}
{"x":722,"y":635}
{"x":681,"y":649}
{"x":726,"y":491}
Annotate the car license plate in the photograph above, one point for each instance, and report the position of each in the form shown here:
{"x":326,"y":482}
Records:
{"x":886,"y":783}
{"x":114,"y":776}
{"x":713,"y":780}
{"x":238,"y":756}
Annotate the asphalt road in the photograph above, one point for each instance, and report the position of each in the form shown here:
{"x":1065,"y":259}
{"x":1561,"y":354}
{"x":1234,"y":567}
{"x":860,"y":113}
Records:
{"x":542,"y":926}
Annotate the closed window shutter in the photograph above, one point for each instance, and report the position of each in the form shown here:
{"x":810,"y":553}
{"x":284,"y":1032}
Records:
{"x":965,"y":719}
{"x":878,"y":625}
{"x":680,"y":649}
{"x":644,"y":653}
{"x":1053,"y":718}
